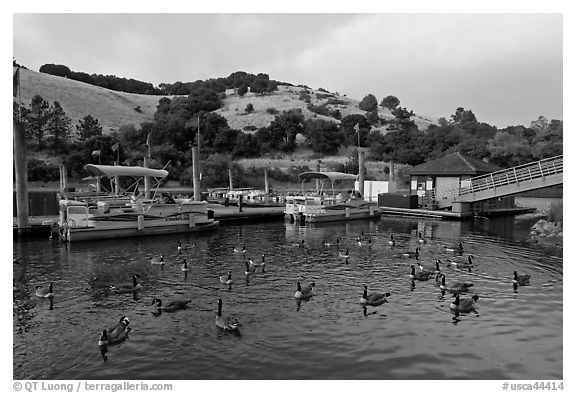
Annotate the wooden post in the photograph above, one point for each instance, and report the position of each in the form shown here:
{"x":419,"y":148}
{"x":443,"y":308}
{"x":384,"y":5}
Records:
{"x":230,"y":185}
{"x":196,"y":173}
{"x":21,"y":177}
{"x":63,"y":179}
{"x":116,"y":182}
{"x":266,"y":186}
{"x":361,"y":172}
{"x":146,"y":180}
{"x":318,"y":180}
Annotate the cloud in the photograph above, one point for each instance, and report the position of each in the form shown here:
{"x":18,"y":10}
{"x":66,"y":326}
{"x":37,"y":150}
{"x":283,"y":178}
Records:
{"x":431,"y":62}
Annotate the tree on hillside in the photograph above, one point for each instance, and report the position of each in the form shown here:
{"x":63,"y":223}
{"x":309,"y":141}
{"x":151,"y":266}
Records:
{"x":88,"y":127}
{"x":372,"y":117}
{"x":509,"y":150}
{"x":36,"y":120}
{"x":133,"y":142}
{"x":211,"y":125}
{"x":215,"y":172}
{"x":403,"y":118}
{"x":462,"y":116}
{"x":204,"y":99}
{"x":348,"y":128}
{"x":242,"y":89}
{"x":103,"y":144}
{"x":58,"y":125}
{"x":441,"y":139}
{"x":55,"y":69}
{"x":323,"y":136}
{"x":540,"y":124}
{"x":260,"y":84}
{"x":548,"y":142}
{"x":390,"y":102}
{"x":225,"y":140}
{"x":402,"y":146}
{"x":249,"y":108}
{"x":284,"y":128}
{"x":246,"y":146}
{"x":368,"y":103}
{"x":172,"y":123}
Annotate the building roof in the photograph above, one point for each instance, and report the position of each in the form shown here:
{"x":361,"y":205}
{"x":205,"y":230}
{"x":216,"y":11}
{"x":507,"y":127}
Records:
{"x":454,"y":165}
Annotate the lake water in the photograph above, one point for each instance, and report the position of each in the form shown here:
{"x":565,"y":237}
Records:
{"x":513,"y":334}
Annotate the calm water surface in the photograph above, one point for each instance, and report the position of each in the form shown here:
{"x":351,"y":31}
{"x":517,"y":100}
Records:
{"x":511,"y":335}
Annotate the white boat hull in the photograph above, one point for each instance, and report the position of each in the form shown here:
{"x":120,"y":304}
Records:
{"x":92,"y":233}
{"x":338,"y":215}
{"x":311,"y":210}
{"x":85,"y":222}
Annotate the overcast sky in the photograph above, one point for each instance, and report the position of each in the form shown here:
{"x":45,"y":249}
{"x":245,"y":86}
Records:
{"x":506,"y":68}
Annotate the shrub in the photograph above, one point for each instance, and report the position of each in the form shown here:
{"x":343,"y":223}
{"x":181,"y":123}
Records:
{"x":336,"y":114}
{"x":555,"y":212}
{"x":335,"y":101}
{"x":321,"y":96}
{"x":39,"y":170}
{"x":249,"y":108}
{"x":272,"y":111}
{"x":319,"y":109}
{"x":138,"y":109}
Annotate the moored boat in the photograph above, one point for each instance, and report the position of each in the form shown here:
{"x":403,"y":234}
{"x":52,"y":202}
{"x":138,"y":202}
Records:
{"x":326,"y":206}
{"x":159,"y":215}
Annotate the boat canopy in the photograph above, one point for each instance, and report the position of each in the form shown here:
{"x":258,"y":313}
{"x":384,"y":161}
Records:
{"x":118,"y":170}
{"x":333,"y":176}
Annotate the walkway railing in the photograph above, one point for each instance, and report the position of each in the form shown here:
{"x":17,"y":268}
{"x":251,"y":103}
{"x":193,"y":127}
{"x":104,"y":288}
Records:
{"x":506,"y":177}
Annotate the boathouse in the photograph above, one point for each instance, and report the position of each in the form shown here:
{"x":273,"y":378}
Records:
{"x":434,"y":179}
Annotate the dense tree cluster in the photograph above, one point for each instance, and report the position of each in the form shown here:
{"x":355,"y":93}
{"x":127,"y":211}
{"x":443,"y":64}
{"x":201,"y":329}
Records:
{"x":260,"y":83}
{"x":107,"y":81}
{"x":506,"y":147}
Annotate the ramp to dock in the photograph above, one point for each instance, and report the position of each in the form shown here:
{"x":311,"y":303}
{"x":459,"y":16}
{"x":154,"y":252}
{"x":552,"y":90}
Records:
{"x":531,"y":176}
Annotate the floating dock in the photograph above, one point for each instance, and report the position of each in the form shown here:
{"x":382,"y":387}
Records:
{"x":449,"y":215}
{"x":40,"y":225}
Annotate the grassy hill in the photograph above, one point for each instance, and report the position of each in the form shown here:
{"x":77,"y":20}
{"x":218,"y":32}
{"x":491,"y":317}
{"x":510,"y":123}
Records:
{"x":78,"y":99}
{"x":114,"y":109}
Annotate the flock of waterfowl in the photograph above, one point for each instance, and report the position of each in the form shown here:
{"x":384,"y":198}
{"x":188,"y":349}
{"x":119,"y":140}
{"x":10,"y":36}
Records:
{"x":418,"y":272}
